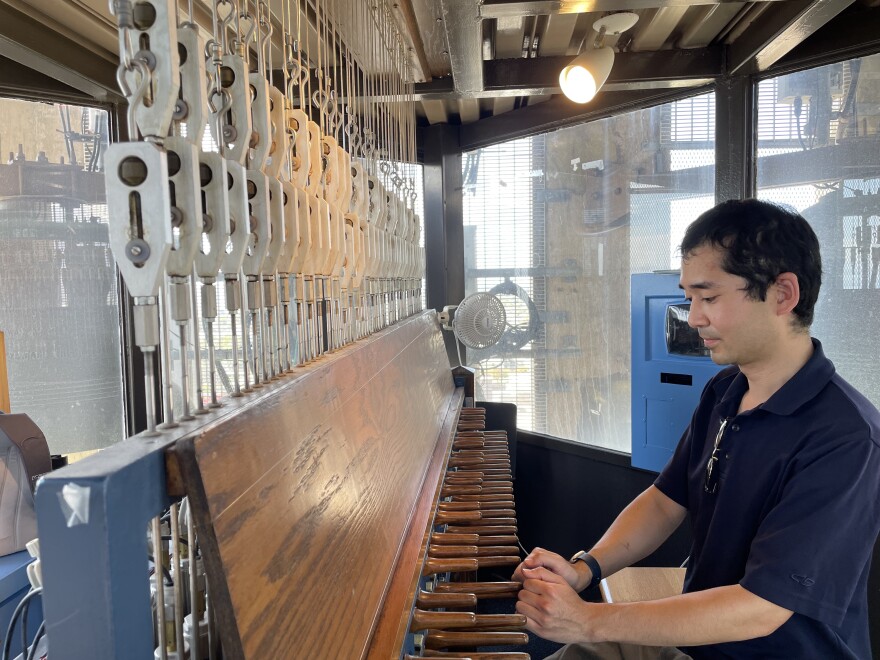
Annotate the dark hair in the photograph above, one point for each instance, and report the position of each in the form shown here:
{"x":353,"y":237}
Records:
{"x":760,"y":241}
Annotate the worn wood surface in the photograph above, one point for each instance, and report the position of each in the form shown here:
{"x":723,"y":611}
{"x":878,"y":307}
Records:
{"x":303,"y":500}
{"x":4,"y":378}
{"x":394,"y":619}
{"x":642,"y":583}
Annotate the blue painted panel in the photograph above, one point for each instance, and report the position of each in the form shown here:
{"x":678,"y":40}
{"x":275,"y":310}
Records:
{"x":13,"y":574}
{"x":665,"y":388}
{"x":95,"y":571}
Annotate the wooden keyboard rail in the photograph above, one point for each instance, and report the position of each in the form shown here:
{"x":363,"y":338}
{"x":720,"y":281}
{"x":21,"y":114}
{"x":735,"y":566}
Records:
{"x":307,"y":501}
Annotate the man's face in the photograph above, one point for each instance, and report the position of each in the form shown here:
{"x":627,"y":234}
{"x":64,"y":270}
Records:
{"x":735,"y":329}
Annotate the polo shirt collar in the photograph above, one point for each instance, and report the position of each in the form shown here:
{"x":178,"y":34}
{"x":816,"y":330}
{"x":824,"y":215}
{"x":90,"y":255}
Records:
{"x":799,"y":390}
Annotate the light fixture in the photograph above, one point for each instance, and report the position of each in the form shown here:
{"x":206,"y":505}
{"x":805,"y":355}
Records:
{"x":586,"y":73}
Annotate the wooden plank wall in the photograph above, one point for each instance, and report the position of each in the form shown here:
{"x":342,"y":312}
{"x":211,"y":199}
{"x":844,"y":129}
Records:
{"x":302,"y":500}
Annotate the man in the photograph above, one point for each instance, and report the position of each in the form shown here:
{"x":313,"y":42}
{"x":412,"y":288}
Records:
{"x":779,"y":472}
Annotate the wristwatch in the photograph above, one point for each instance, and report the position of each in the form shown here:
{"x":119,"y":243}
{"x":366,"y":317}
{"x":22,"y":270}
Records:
{"x":595,"y":569}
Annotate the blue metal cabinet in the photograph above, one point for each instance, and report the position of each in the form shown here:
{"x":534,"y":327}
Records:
{"x":666,"y":386}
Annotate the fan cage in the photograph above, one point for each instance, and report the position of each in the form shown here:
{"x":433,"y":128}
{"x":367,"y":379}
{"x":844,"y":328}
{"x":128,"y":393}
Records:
{"x":479,"y":321}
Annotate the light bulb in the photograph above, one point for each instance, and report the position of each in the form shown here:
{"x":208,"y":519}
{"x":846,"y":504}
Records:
{"x":578,"y":84}
{"x":585,"y":75}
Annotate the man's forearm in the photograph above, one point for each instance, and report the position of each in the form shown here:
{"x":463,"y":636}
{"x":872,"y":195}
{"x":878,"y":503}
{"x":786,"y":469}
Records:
{"x":724,"y":614}
{"x":639,"y":530}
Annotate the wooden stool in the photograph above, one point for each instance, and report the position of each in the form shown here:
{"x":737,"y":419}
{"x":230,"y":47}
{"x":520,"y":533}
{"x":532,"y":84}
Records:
{"x":634,"y":584}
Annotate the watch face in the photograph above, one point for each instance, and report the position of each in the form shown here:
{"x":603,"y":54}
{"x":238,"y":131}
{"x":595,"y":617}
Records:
{"x":577,"y":555}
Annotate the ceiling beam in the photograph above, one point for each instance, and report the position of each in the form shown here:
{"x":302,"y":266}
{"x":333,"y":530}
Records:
{"x":628,"y":68}
{"x":853,"y":33}
{"x":407,"y":18}
{"x":557,"y":35}
{"x":443,"y":90}
{"x":20,"y":81}
{"x":469,"y":110}
{"x":556,"y":113}
{"x":503,"y":104}
{"x":781,"y":29}
{"x":503,"y":8}
{"x":508,"y":39}
{"x":854,"y":159}
{"x":653,"y":35}
{"x":25,"y":40}
{"x":464,"y":38}
{"x":631,"y":71}
{"x":435,"y":112}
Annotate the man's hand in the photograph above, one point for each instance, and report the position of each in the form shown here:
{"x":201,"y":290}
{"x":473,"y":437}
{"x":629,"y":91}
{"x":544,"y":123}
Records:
{"x":552,"y":608}
{"x":577,"y":575}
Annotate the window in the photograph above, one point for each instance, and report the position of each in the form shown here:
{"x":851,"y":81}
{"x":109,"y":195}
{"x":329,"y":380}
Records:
{"x":817,"y":152}
{"x":555,"y":225}
{"x":58,"y":289}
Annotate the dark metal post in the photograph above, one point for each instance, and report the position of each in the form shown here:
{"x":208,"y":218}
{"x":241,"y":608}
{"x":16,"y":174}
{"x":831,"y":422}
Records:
{"x":444,"y":225}
{"x":734,"y":138}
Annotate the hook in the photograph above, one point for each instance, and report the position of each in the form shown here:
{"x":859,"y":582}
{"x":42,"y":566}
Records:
{"x":226,"y":98}
{"x":138,"y":65}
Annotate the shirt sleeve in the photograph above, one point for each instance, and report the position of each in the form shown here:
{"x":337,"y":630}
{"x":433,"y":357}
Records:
{"x":811,"y":548}
{"x":673,"y":480}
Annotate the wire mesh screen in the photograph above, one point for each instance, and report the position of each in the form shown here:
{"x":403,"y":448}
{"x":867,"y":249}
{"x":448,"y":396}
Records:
{"x":499,"y":218}
{"x":58,"y":289}
{"x":555,"y":225}
{"x":818,"y":132}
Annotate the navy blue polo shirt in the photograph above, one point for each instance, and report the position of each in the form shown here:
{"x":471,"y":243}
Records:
{"x":796,"y":511}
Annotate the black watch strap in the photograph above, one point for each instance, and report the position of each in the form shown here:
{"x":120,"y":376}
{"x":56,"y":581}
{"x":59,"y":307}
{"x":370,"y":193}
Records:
{"x":590,"y":561}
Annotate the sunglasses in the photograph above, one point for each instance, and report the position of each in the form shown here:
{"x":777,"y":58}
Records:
{"x":710,"y":485}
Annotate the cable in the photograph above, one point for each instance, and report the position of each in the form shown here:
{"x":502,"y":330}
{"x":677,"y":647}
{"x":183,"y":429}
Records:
{"x":24,"y":623}
{"x":165,"y":573}
{"x":797,"y":109}
{"x":7,"y":643}
{"x":32,"y":654}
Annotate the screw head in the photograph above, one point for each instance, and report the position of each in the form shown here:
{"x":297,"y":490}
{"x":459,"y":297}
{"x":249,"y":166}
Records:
{"x":137,"y":251}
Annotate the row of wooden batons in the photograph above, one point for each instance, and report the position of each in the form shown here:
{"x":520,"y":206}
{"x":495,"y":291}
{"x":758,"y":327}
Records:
{"x":475,"y":527}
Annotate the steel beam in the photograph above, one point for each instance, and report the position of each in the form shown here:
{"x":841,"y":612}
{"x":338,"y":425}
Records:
{"x":852,"y":33}
{"x":445,"y":92}
{"x":851,"y":160}
{"x":558,"y":113}
{"x":631,"y":72}
{"x":24,"y":40}
{"x":18,"y":80}
{"x":629,"y":69}
{"x":854,"y":159}
{"x":464,"y":36}
{"x":780,"y":30}
{"x":504,"y":8}
{"x":407,"y":18}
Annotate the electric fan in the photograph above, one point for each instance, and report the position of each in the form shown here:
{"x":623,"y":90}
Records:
{"x":479,"y":321}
